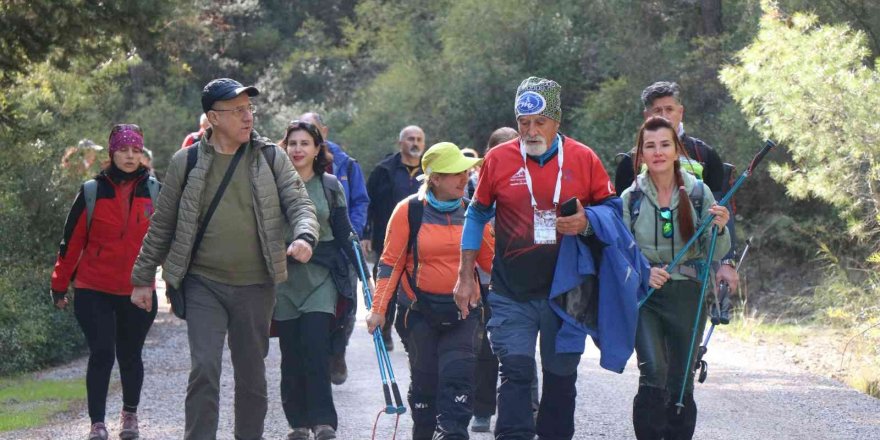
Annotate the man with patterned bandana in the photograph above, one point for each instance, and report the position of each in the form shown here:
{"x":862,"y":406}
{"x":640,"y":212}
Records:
{"x":526,"y":180}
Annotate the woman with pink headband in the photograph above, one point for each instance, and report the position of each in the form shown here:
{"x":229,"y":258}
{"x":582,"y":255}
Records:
{"x":102,"y":237}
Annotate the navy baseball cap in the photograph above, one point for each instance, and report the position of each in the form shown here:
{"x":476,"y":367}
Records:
{"x":223,"y":89}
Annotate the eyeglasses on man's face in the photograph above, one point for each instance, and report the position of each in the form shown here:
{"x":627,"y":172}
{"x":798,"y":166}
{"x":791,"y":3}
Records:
{"x":239,"y":111}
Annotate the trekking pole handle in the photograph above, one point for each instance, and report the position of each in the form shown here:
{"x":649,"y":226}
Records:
{"x":768,"y":145}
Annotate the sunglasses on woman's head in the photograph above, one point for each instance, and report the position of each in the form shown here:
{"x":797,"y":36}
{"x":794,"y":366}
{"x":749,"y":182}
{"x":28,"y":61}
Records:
{"x":666,"y":216}
{"x":121,"y":127}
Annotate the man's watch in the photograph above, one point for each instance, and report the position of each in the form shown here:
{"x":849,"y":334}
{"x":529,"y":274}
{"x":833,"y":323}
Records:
{"x":729,"y":262}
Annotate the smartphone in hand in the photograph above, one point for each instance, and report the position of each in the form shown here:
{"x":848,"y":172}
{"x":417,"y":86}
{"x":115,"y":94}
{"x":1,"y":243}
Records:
{"x":568,"y":208}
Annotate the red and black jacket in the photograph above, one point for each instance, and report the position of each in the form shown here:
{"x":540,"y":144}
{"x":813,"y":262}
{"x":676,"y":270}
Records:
{"x":102,"y":258}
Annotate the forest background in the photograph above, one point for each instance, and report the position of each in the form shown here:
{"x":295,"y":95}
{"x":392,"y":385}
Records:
{"x":801,"y":72}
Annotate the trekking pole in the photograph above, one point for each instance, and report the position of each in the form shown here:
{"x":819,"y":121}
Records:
{"x":705,"y":281}
{"x":768,"y":145}
{"x":719,"y":314}
{"x":382,"y":357}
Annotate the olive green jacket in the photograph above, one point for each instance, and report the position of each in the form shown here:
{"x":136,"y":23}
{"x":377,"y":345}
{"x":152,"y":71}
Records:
{"x":279,"y":197}
{"x":647,"y":227}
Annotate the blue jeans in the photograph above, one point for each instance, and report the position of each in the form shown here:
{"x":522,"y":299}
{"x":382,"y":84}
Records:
{"x":513,"y":332}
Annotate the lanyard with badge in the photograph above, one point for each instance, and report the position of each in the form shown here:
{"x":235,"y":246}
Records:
{"x":545,"y":219}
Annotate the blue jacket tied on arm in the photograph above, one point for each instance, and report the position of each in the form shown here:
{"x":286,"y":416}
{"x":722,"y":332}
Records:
{"x":596,"y":287}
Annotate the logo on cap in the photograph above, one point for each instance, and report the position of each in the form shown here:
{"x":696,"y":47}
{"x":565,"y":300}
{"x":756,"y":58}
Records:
{"x":530,"y":103}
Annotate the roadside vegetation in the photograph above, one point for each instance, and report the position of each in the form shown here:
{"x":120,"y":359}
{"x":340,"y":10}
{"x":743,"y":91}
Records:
{"x":804,"y":73}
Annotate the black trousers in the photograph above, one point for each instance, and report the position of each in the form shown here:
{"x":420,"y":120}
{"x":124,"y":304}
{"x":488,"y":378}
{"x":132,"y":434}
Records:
{"x":306,"y":396}
{"x":486,"y":374}
{"x":113,"y":327}
{"x":442,"y":361}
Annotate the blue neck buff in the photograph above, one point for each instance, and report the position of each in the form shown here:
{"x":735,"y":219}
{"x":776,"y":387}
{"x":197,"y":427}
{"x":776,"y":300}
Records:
{"x":542,"y":159}
{"x":442,"y":206}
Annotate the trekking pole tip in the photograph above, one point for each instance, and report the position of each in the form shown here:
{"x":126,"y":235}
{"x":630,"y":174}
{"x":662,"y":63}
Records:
{"x":679,"y":407}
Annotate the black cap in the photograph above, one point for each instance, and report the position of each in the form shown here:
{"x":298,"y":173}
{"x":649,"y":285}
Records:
{"x":223,"y":89}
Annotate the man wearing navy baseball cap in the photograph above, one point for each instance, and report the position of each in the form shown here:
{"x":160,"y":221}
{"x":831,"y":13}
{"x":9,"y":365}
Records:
{"x":218,"y":231}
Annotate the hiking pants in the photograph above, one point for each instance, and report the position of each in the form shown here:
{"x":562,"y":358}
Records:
{"x":513,"y":332}
{"x":486,"y":374}
{"x":662,"y":344}
{"x":113,"y":327}
{"x":340,"y":336}
{"x":306,"y":396}
{"x":441,"y":363}
{"x":214,"y":310}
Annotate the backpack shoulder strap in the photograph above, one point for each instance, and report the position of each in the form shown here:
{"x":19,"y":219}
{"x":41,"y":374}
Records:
{"x":414,"y":217}
{"x":90,"y":193}
{"x":696,"y":197}
{"x":269,"y":151}
{"x":330,"y":184}
{"x":635,"y":204}
{"x":153,"y":188}
{"x":192,"y":156}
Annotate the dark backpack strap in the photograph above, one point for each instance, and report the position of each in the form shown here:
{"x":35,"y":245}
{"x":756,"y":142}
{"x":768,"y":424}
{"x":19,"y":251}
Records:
{"x":269,"y":151}
{"x":635,"y":205}
{"x":696,"y":197}
{"x":329,"y":182}
{"x":192,"y":156}
{"x":414,"y":217}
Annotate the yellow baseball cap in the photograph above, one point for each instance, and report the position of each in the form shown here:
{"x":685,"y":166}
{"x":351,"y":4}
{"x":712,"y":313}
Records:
{"x":447,"y":158}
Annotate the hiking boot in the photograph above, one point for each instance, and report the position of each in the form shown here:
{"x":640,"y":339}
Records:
{"x":324,"y":432}
{"x":481,"y":424}
{"x":98,"y":431}
{"x":298,"y":434}
{"x":128,"y":423}
{"x":338,"y":369}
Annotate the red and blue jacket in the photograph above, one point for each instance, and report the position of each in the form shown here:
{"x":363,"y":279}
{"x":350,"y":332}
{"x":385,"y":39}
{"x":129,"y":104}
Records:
{"x":101,"y":257}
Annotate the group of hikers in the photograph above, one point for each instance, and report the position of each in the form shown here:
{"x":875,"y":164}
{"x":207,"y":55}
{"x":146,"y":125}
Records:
{"x":475,"y":258}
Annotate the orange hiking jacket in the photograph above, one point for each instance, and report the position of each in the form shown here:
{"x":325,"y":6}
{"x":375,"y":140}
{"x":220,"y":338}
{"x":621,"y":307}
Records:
{"x":439,"y":247}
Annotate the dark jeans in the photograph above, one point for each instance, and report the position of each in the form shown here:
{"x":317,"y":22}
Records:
{"x":306,"y":395}
{"x":113,"y":326}
{"x":442,"y":361}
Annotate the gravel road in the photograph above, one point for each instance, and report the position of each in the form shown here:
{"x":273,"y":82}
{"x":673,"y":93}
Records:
{"x":752,"y":393}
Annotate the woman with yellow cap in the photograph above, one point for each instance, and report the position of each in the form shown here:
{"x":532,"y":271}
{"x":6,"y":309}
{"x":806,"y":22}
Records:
{"x":421,"y":256}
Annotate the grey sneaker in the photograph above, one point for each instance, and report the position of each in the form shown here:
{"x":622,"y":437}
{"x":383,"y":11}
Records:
{"x":324,"y":432}
{"x":338,"y":369}
{"x":98,"y":431}
{"x":128,"y":422}
{"x":481,"y":424}
{"x":299,"y":434}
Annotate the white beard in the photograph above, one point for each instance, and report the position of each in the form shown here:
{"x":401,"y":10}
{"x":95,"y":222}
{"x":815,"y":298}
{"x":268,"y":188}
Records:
{"x":536,"y":147}
{"x":415,"y":152}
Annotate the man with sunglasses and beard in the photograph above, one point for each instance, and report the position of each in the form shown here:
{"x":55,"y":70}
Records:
{"x":393,"y":180}
{"x":218,"y":231}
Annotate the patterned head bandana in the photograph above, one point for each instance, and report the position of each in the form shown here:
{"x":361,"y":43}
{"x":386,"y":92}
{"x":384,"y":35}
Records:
{"x":538,"y":96}
{"x":125,"y":135}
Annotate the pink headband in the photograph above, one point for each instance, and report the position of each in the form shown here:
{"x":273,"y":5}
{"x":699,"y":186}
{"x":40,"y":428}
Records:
{"x":125,"y":137}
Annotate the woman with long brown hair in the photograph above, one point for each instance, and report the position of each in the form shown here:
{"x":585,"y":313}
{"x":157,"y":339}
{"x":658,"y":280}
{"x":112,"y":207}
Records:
{"x":663,"y":208}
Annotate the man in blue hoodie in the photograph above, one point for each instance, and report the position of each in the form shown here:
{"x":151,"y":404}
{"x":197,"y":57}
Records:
{"x":348,"y":171}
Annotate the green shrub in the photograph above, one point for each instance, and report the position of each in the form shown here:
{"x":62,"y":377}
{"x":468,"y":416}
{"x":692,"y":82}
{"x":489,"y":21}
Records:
{"x":32,"y":333}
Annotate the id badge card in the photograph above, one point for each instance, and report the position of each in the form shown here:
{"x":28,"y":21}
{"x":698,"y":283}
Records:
{"x":545,"y":226}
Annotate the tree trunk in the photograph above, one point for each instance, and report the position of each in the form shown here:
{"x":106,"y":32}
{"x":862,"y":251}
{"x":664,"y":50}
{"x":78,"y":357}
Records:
{"x":710,"y":12}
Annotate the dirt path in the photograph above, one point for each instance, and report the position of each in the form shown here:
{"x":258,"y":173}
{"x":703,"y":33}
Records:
{"x":752,"y":393}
